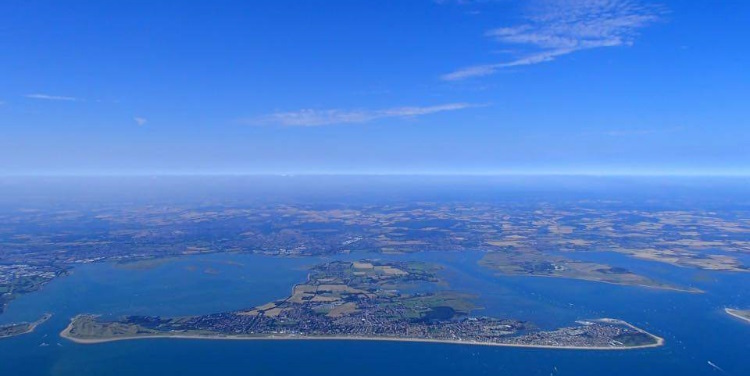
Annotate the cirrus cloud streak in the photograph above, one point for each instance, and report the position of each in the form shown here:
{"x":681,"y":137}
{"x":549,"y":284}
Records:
{"x":52,"y":97}
{"x":554,"y":28}
{"x":313,"y":117}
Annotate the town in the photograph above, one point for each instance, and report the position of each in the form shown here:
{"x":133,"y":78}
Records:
{"x":363,"y":300}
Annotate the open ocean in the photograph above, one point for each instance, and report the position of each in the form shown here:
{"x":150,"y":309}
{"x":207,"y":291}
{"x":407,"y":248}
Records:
{"x":694,"y":325}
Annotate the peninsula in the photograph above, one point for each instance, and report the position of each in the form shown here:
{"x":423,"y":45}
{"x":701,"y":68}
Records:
{"x":366,"y":300}
{"x":738,"y":313}
{"x":18,"y":329}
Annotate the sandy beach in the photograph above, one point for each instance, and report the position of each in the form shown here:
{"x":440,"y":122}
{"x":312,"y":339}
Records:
{"x":734,"y":313}
{"x":66,"y":334}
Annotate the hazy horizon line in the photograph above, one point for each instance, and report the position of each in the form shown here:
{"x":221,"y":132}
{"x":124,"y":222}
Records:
{"x":718,"y":174}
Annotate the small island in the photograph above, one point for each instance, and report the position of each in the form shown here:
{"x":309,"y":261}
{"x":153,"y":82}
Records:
{"x":18,"y":329}
{"x":365,"y":300}
{"x":743,"y":315}
{"x":536,"y":264}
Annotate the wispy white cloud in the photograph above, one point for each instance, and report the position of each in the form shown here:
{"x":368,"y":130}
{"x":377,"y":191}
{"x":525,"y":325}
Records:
{"x":52,"y":97}
{"x":488,"y":69}
{"x":312,"y":117}
{"x":554,"y":28}
{"x":141,"y":121}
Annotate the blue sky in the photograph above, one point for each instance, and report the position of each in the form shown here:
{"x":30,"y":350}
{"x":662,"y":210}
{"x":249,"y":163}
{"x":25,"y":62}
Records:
{"x":476,"y":87}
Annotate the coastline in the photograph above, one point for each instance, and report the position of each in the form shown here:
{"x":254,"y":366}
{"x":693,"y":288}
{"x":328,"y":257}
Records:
{"x":688,"y":290}
{"x":31,"y":326}
{"x":65,"y":333}
{"x":733,"y":313}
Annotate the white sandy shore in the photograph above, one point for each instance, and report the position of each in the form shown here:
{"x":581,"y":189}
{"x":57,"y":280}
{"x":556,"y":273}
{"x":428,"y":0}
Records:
{"x":734,"y":312}
{"x":66,"y":334}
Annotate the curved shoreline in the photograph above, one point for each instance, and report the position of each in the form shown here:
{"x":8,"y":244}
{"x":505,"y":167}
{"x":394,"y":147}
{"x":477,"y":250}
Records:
{"x":65,"y":333}
{"x":31,"y":326}
{"x":733,"y":312}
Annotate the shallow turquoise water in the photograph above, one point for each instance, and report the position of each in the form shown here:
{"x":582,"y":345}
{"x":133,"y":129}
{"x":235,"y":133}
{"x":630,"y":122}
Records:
{"x":694,"y":326}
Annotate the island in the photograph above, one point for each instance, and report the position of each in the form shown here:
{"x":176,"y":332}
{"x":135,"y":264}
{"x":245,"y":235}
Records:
{"x":367,"y":300}
{"x":12,"y":330}
{"x":743,"y":315}
{"x":536,"y":264}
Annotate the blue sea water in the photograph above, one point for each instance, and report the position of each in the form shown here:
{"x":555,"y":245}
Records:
{"x":694,"y":325}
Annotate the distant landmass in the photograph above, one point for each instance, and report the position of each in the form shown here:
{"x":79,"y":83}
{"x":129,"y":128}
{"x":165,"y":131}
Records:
{"x":520,"y":238}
